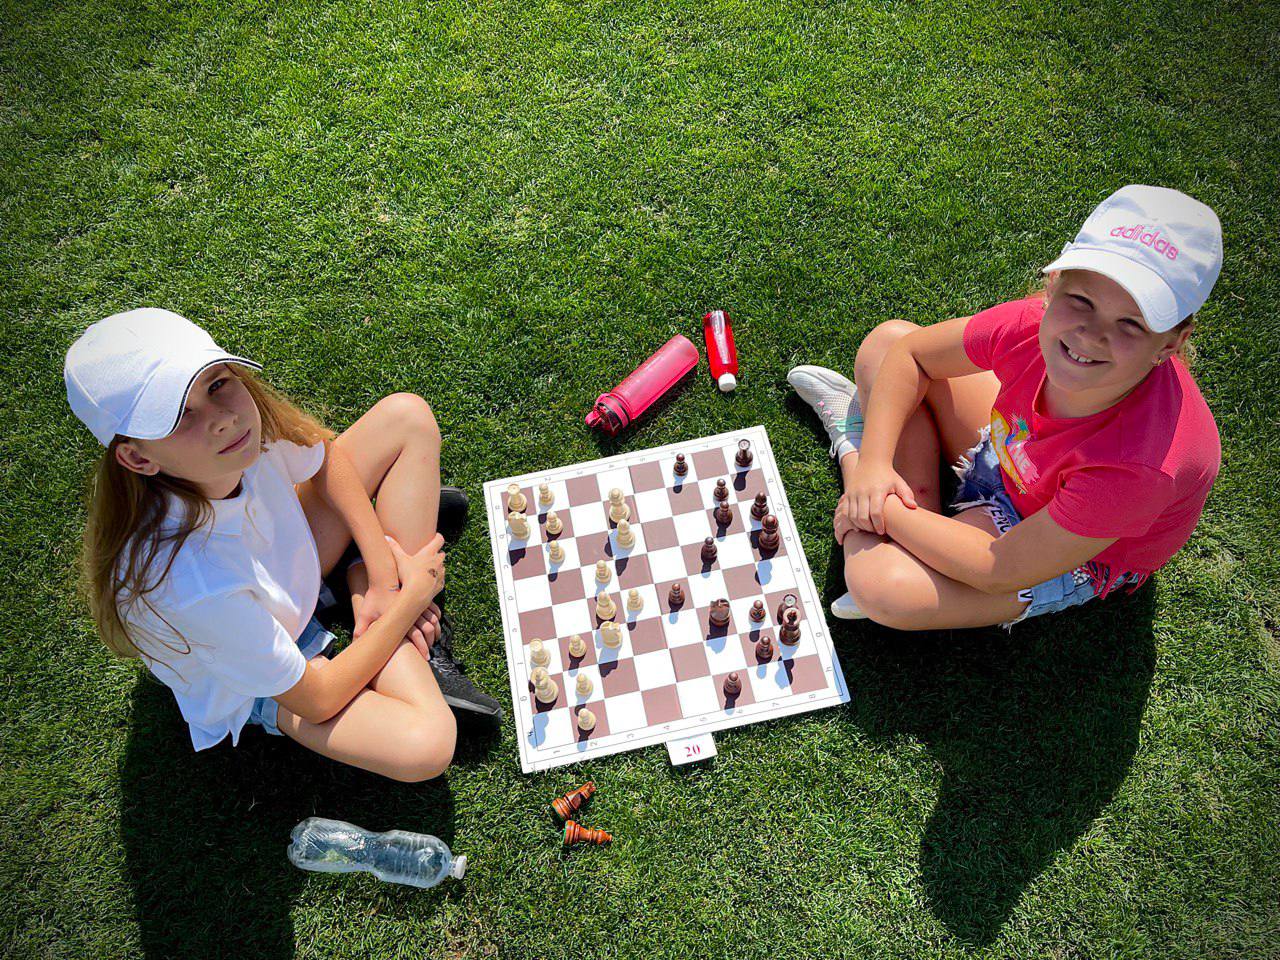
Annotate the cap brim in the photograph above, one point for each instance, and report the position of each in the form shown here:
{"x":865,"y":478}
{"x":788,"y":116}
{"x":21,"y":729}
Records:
{"x":160,"y":405}
{"x":1148,"y":289}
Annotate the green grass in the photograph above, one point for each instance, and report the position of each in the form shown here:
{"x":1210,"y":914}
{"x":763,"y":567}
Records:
{"x":504,"y":207}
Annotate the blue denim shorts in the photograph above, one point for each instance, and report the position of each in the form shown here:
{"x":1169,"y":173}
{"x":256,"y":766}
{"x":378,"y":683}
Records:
{"x":314,"y":641}
{"x":981,"y":485}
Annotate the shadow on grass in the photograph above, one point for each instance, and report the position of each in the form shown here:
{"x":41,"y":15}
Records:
{"x":205,"y":834}
{"x":1034,"y":732}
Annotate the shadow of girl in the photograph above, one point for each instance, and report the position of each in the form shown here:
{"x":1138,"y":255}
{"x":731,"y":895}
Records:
{"x":1034,"y":731}
{"x":205,"y":834}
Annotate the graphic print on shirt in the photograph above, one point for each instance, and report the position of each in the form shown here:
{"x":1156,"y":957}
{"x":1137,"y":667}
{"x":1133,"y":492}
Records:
{"x":1011,"y":448}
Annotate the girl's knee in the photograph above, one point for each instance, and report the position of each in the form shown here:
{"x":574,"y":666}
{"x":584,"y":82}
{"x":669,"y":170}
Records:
{"x":875,"y":345}
{"x":413,"y":414}
{"x":426,"y":748}
{"x":887,"y":590}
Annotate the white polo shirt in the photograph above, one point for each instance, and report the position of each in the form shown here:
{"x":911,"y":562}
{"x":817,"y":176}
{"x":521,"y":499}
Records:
{"x":240,"y":592}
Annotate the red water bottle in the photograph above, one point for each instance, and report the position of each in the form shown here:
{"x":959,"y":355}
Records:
{"x":614,"y":411}
{"x":722,"y":356}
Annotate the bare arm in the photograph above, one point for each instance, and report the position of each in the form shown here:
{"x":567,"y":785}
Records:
{"x":321,"y":693}
{"x":1029,"y":553}
{"x":339,"y":484}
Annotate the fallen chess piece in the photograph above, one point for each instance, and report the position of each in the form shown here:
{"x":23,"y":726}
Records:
{"x":586,"y":720}
{"x":519,"y":525}
{"x":634,"y":600}
{"x":718,"y":614}
{"x":768,"y":534}
{"x":732,"y":685}
{"x":606,"y":609}
{"x":603,"y":573}
{"x":516,"y":500}
{"x":721,"y":491}
{"x":538,"y":653}
{"x":757,"y":612}
{"x":744,"y":456}
{"x":554,"y":523}
{"x":545,"y":496}
{"x":709,"y":551}
{"x":759,"y":509}
{"x":577,"y":646}
{"x":675,"y":597}
{"x":626,"y":536}
{"x":584,"y":685}
{"x":575,"y":833}
{"x":565,"y":807}
{"x":555,"y":552}
{"x":681,"y":468}
{"x":611,"y":634}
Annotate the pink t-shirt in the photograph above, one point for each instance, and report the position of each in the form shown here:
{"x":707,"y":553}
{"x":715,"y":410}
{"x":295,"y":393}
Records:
{"x":1140,"y":470}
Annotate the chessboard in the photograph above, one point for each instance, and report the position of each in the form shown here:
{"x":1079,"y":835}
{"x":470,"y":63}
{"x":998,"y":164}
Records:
{"x":662,"y":675}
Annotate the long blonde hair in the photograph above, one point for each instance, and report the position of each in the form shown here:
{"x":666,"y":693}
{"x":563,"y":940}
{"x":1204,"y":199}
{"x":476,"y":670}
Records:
{"x":124,"y":535}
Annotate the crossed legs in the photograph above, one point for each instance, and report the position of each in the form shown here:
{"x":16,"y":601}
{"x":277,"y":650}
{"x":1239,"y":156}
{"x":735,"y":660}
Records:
{"x":398,"y":726}
{"x":886,"y":581}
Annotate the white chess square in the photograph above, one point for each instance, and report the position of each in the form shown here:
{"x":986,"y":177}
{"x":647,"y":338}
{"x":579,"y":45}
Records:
{"x":697,"y":696}
{"x":626,"y":712}
{"x":769,"y":681}
{"x":725,"y":654}
{"x":588,"y":518}
{"x":692,"y":527}
{"x":533,"y":593}
{"x":775,"y":574}
{"x":668,"y":462}
{"x":592,"y":586}
{"x":666,"y":564}
{"x":705,"y":587}
{"x":619,"y":477}
{"x":559,"y":496}
{"x":653,"y":505}
{"x":649,"y":598}
{"x":682,"y":628}
{"x":734,"y":551}
{"x":571,"y":685}
{"x":550,"y":729}
{"x":571,"y":618}
{"x":707,"y":489}
{"x":740,"y":609}
{"x":655,"y":669}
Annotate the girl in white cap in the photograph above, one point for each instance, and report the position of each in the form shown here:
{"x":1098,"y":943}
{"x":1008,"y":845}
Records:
{"x":1095,"y":450}
{"x":216,"y":509}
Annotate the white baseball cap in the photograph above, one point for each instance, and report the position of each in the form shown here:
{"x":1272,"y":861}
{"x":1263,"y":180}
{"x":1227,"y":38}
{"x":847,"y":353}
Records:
{"x":130,"y":373}
{"x":1161,"y":245}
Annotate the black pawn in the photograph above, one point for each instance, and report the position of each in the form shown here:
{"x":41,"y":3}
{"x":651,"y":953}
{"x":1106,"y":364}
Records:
{"x":723,"y":515}
{"x":769,"y":533}
{"x":719,"y":613}
{"x":744,"y":457}
{"x":757,"y":612}
{"x":760,"y":508}
{"x":675,"y":597}
{"x":722,"y":490}
{"x":709,"y":551}
{"x":681,"y":467}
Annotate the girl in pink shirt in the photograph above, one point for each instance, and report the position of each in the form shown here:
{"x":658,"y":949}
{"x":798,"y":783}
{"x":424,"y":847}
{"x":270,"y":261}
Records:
{"x":1095,"y":450}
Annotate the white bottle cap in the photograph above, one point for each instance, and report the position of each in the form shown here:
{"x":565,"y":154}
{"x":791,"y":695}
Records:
{"x":459,"y":866}
{"x":727,"y":382}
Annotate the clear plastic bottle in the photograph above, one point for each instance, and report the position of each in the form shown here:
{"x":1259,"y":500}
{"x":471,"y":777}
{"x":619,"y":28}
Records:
{"x":396,"y":856}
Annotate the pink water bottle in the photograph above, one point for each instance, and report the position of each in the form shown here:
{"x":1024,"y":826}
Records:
{"x":614,"y":411}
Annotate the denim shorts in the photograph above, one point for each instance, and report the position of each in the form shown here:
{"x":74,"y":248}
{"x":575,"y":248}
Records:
{"x":314,"y":641}
{"x":981,"y":485}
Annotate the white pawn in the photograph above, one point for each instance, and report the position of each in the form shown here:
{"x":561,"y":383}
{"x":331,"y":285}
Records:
{"x":606,"y":609}
{"x":584,"y":686}
{"x":538,"y":676}
{"x":611,"y":634}
{"x":516,"y":500}
{"x":618,"y":509}
{"x":577,"y":646}
{"x":519,"y":525}
{"x":547,"y":691}
{"x":626,"y":536}
{"x":603,"y":573}
{"x":586,"y":720}
{"x":556,"y":552}
{"x":545,"y":496}
{"x":554,"y":523}
{"x":634,"y":600}
{"x":539,"y":653}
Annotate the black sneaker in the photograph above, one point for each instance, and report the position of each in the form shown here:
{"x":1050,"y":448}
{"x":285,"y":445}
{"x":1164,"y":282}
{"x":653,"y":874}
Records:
{"x":452,"y":517}
{"x":458,"y":689}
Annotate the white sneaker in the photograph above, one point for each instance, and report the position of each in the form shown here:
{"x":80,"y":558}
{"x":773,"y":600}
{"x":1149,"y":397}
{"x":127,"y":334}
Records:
{"x":835,"y":400}
{"x":843,"y":608}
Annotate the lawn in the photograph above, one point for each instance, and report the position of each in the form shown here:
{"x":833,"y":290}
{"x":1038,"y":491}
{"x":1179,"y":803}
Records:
{"x":504,"y":207}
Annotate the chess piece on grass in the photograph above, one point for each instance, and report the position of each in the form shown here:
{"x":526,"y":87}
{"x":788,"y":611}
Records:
{"x":575,"y":833}
{"x":565,"y":807}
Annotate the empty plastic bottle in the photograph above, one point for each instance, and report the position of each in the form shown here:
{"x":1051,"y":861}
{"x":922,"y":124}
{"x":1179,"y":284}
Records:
{"x":396,"y":856}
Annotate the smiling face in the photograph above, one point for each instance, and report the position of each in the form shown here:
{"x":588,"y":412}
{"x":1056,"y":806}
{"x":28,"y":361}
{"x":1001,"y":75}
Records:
{"x":218,"y":437}
{"x":1095,"y":343}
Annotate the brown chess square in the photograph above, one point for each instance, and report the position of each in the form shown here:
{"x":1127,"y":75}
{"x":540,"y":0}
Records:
{"x":660,"y":534}
{"x":601,"y":712}
{"x":805,"y":674}
{"x":661,"y":705}
{"x":618,"y":676}
{"x":710,"y":464}
{"x":646,"y":636}
{"x":745,"y":695}
{"x":633,"y":571}
{"x":690,"y":661}
{"x":537,"y":623}
{"x":527,"y":561}
{"x":561,"y":700}
{"x":647,"y":476}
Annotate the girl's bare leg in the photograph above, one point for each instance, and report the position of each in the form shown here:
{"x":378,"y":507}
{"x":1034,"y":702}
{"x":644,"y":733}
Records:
{"x":886,"y":581}
{"x":400,"y":726}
